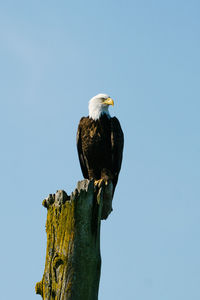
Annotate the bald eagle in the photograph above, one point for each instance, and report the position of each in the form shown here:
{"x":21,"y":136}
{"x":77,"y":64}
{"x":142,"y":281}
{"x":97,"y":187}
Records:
{"x":100,"y":142}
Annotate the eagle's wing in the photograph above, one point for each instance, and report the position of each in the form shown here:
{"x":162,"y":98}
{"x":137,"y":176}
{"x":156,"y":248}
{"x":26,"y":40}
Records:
{"x":117,"y":142}
{"x":80,"y":151}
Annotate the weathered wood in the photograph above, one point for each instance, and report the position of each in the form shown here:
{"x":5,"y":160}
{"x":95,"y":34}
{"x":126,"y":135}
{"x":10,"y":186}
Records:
{"x":73,"y":260}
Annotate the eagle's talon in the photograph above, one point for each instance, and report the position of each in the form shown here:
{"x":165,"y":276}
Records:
{"x":98,"y":182}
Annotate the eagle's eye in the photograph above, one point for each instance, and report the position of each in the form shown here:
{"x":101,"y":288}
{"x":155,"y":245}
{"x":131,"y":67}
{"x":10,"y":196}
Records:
{"x":103,"y":101}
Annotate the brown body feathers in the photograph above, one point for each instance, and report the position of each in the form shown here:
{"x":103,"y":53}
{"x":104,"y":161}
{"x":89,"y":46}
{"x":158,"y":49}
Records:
{"x":100,"y":148}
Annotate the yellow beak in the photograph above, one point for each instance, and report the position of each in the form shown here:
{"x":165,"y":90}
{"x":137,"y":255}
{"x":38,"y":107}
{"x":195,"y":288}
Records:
{"x":109,"y":101}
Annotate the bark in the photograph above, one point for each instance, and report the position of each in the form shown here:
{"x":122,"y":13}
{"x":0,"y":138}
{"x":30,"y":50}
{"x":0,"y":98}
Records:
{"x":73,"y":260}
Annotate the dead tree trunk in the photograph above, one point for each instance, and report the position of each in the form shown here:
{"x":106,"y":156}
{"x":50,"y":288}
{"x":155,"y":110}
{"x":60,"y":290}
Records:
{"x":73,"y":260}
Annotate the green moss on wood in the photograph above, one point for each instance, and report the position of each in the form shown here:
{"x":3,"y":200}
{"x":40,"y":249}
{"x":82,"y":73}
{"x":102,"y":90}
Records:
{"x":73,"y":261}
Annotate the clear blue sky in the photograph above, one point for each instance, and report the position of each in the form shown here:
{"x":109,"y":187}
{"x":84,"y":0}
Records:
{"x":56,"y":55}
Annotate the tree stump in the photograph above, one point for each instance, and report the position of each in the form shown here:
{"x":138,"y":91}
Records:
{"x":73,"y":260}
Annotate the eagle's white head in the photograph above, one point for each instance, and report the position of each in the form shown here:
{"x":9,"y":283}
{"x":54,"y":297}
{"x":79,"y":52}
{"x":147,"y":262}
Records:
{"x":98,"y":106}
